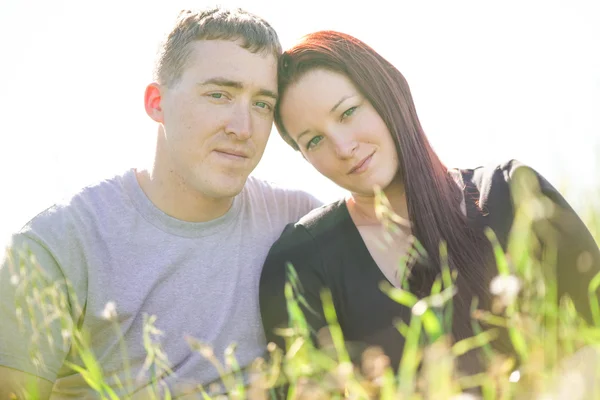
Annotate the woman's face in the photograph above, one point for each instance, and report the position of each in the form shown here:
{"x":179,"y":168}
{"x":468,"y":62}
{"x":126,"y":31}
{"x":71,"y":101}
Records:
{"x":339,"y":132}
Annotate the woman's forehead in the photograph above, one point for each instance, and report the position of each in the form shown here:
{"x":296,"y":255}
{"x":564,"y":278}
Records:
{"x":317,"y":89}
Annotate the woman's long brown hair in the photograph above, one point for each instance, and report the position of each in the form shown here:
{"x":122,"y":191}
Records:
{"x":432,"y":195}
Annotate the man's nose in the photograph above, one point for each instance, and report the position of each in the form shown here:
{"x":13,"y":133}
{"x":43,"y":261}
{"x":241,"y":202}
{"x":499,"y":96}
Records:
{"x":240,"y":123}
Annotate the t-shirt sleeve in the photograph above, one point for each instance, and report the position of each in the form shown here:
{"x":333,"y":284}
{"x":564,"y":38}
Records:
{"x":577,"y":255}
{"x":306,"y":202}
{"x":314,"y":202}
{"x":34,"y":309}
{"x":295,"y":248}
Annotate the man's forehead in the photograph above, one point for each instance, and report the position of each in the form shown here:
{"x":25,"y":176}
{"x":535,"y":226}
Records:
{"x":227,"y":52}
{"x":211,"y":59}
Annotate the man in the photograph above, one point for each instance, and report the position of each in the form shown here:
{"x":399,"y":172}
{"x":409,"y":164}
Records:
{"x":183,"y":241}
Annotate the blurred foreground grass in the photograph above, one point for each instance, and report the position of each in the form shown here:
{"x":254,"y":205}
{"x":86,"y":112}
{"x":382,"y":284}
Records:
{"x":558,"y":353}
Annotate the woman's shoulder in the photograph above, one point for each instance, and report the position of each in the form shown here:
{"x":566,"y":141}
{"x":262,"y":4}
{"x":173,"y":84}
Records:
{"x":486,"y":176}
{"x":325,"y":217}
{"x":497,"y":189}
{"x":321,"y":222}
{"x":488,"y":195}
{"x":498,"y":180}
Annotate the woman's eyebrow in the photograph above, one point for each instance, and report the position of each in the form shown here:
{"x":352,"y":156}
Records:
{"x":340,"y":102}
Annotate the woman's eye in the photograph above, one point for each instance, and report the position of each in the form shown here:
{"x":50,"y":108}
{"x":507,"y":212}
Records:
{"x":348,"y":112}
{"x":314,"y":141}
{"x":217,"y":96}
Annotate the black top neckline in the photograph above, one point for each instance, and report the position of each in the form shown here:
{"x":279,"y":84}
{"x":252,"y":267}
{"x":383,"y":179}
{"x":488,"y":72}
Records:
{"x":473,"y":214}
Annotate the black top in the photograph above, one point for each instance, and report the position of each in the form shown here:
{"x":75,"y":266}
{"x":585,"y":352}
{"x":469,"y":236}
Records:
{"x":327,"y":251}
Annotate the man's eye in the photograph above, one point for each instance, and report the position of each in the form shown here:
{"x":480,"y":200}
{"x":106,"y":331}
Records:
{"x":264,"y":105}
{"x":216,"y":95}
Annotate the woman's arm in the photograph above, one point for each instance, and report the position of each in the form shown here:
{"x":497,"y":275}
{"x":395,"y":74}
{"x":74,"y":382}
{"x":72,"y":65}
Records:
{"x":577,"y":253}
{"x":293,"y":260}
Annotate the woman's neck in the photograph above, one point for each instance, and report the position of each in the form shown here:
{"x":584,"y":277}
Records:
{"x":362,"y":207}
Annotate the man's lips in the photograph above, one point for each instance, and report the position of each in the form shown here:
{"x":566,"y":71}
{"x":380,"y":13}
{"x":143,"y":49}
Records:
{"x":233,"y":153}
{"x":361,"y":165}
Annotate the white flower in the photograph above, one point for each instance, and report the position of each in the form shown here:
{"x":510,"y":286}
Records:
{"x":502,"y":284}
{"x":515,"y":376}
{"x":14,"y":280}
{"x":110,"y":311}
{"x":419,"y":308}
{"x":506,"y":288}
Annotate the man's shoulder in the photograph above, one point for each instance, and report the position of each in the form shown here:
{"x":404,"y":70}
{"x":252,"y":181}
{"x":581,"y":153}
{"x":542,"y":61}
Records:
{"x":275,"y":193}
{"x":83,"y":205}
{"x":261,"y":185}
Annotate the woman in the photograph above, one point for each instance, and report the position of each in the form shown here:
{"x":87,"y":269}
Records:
{"x":350,"y":114}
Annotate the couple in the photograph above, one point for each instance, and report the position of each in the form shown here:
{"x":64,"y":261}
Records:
{"x":186,"y":240}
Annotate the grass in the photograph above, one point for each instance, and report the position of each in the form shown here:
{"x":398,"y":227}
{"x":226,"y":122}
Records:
{"x":558,"y":353}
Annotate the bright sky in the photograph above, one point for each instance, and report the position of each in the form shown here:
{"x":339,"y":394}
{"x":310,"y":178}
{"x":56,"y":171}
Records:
{"x":491,"y":81}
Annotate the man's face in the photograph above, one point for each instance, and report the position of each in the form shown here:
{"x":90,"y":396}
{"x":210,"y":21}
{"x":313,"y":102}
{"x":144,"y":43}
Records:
{"x":217,"y":117}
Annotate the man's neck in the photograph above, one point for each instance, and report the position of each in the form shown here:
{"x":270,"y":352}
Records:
{"x":169,"y":194}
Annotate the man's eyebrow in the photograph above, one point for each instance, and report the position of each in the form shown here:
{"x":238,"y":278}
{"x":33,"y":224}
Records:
{"x":218,"y":81}
{"x":268,"y":93}
{"x":340,"y":102}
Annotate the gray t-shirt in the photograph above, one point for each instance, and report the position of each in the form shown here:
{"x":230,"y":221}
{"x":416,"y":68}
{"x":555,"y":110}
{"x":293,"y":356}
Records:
{"x":124,"y":258}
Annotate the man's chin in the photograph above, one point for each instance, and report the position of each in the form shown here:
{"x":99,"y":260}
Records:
{"x":229,"y":187}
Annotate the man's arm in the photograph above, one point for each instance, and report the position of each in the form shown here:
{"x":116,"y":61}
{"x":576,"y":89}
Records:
{"x":21,"y":385}
{"x":32,"y":345}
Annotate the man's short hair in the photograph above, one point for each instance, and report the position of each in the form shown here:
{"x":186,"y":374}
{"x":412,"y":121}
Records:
{"x":215,"y":23}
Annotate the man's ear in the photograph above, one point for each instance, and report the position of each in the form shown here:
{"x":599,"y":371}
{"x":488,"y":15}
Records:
{"x":152,"y":102}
